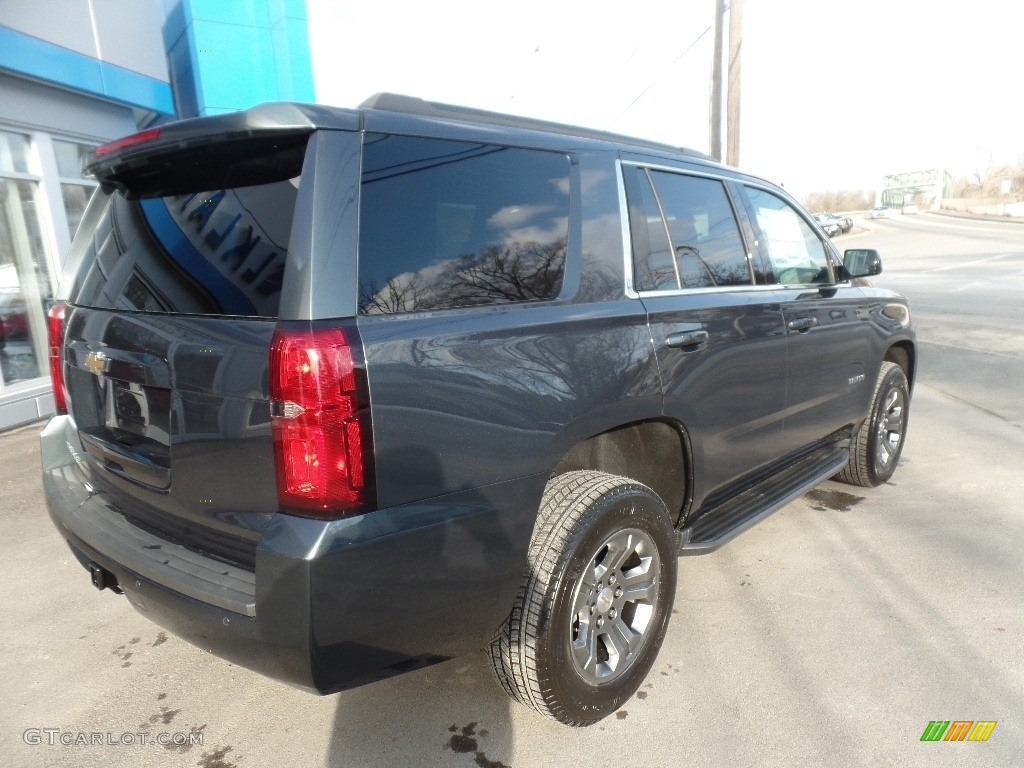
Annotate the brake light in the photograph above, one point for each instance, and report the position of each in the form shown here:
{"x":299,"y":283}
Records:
{"x":55,"y":334}
{"x":320,"y":421}
{"x":141,"y":137}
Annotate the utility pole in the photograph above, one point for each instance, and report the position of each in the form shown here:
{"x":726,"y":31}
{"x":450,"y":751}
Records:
{"x":716,"y":84}
{"x":732,"y":150}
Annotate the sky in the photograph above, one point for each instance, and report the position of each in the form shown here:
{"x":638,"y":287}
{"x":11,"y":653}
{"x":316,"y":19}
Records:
{"x":835,"y":94}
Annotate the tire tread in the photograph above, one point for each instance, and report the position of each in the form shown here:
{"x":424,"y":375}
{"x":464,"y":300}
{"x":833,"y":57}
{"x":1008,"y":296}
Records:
{"x":513,"y":653}
{"x":858,"y":470}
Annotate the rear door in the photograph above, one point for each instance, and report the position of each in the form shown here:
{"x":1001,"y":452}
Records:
{"x":170,"y":311}
{"x":718,"y":333}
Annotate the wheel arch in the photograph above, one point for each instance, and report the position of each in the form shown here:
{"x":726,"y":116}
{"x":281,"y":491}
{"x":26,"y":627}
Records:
{"x":904,"y":354}
{"x":654,"y":452}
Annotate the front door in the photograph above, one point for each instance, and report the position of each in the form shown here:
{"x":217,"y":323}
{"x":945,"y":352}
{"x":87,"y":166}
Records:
{"x":827,"y":324}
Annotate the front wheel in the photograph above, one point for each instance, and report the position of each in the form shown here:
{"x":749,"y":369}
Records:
{"x":876,"y":448}
{"x":595,"y":600}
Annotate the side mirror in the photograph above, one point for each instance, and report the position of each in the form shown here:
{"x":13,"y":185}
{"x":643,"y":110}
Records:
{"x":862,"y":262}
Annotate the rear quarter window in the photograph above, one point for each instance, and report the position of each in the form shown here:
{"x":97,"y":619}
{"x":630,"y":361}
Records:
{"x":455,"y":224}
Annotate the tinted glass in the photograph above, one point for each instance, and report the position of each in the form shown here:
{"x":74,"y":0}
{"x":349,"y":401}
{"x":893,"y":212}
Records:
{"x":653,"y":265}
{"x":453,"y":224}
{"x":217,"y":252}
{"x":797,"y":255}
{"x":705,"y":237}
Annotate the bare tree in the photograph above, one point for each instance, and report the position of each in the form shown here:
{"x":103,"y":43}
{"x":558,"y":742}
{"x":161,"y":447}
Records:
{"x":498,"y":273}
{"x":841,"y":200}
{"x":399,"y":294}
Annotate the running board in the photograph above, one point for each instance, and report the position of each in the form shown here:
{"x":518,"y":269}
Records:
{"x":728,"y":521}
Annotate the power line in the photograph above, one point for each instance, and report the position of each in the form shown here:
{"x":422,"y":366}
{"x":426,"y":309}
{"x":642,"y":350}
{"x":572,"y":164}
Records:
{"x":661,"y":74}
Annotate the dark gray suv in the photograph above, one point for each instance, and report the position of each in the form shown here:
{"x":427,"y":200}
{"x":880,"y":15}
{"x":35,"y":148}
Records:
{"x":347,"y":392}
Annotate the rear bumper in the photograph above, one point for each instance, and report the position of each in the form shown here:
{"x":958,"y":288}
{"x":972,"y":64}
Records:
{"x":227,"y":634}
{"x":331,"y":605}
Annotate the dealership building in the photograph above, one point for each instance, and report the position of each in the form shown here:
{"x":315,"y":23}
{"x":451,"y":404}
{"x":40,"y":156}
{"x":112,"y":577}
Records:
{"x":78,"y":73}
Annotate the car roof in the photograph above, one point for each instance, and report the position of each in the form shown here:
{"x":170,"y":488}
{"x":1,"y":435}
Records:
{"x":414,"y":106}
{"x":396,"y":113}
{"x":390,"y":112}
{"x":294,"y":116}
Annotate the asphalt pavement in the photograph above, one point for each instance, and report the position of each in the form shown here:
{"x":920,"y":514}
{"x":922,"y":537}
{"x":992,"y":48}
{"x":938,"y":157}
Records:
{"x":829,"y":635}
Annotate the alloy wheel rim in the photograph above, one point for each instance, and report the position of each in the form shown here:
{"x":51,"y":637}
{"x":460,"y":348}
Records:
{"x":890,"y":426}
{"x":613,"y":605}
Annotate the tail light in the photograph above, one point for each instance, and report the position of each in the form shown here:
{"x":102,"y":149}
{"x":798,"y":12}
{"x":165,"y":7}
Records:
{"x":55,"y":332}
{"x":320,"y":420}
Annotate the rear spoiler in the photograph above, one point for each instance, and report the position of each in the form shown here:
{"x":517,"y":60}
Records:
{"x":261,"y":144}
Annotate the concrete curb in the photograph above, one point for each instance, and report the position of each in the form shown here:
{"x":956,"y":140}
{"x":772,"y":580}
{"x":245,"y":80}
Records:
{"x":979,"y":217}
{"x":852,"y":234}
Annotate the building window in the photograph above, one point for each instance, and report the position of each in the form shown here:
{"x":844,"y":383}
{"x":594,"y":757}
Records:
{"x":74,"y":187}
{"x":25,"y":284}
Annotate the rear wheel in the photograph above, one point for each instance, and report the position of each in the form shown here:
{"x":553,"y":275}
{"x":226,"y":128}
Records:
{"x":877,"y":446}
{"x":595,"y":600}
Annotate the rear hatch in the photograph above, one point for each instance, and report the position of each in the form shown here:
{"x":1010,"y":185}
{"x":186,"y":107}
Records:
{"x":174,"y":289}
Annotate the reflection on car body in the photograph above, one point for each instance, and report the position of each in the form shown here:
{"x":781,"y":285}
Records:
{"x":351,"y":392}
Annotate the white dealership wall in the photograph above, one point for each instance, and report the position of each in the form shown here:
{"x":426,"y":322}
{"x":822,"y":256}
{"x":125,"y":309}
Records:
{"x":80,"y":71}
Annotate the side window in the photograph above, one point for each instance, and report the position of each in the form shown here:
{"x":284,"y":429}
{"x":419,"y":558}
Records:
{"x":706,"y":239}
{"x":454,"y":224}
{"x":797,"y":255}
{"x":684,"y":232}
{"x":654,"y":268}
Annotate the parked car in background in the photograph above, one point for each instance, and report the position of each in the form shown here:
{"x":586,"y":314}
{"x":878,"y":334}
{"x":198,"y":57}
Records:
{"x":343,"y":393}
{"x":828,"y":223}
{"x":881,"y":212}
{"x":13,"y":317}
{"x":909,"y":208}
{"x":845,"y":222}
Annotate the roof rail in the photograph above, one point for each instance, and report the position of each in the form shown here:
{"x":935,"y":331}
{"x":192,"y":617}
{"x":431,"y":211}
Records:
{"x":413,"y":105}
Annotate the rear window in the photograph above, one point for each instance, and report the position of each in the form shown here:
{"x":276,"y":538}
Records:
{"x":205,"y":252}
{"x":453,"y":224}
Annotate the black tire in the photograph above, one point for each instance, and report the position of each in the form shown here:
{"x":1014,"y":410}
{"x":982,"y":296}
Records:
{"x":533,"y":655}
{"x":876,"y":448}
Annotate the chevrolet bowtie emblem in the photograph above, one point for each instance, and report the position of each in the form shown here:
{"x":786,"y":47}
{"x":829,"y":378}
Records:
{"x":96,"y":362}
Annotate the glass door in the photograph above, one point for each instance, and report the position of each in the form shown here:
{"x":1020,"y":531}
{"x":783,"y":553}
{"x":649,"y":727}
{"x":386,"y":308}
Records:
{"x":25,"y":285}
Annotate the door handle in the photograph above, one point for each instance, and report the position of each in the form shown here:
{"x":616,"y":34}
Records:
{"x":686,"y":339}
{"x":802,"y":324}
